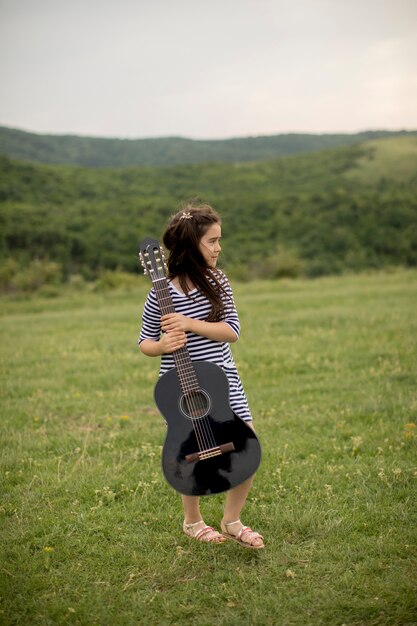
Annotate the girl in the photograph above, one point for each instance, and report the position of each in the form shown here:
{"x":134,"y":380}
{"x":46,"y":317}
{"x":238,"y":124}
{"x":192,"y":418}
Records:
{"x":206,"y":319}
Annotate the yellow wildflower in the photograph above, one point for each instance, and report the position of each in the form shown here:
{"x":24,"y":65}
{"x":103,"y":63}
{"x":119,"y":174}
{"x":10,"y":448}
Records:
{"x":409,"y":430}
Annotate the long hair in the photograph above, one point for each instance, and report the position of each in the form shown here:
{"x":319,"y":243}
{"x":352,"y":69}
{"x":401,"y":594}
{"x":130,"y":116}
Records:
{"x":181,"y":238}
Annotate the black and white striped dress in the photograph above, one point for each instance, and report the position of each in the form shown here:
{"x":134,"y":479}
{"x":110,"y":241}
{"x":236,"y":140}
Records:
{"x":197,"y":306}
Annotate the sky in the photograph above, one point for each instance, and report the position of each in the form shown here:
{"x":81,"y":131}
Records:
{"x":207,"y":69}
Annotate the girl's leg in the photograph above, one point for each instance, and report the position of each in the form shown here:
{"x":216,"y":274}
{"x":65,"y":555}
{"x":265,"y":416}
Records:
{"x":191,"y":506}
{"x":194,"y":525}
{"x":235,"y":501}
{"x":231,"y":524}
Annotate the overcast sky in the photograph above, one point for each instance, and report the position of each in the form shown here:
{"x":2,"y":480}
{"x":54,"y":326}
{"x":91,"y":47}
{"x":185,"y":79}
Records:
{"x":209,"y":68}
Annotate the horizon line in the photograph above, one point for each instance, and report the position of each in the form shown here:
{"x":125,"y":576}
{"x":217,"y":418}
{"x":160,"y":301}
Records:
{"x":188,"y":138}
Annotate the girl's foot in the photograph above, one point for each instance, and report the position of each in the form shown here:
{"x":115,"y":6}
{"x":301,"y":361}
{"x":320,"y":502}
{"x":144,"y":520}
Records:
{"x":243,"y":535}
{"x":201,"y":532}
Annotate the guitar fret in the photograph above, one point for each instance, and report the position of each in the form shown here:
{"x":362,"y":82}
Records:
{"x":185,"y":369}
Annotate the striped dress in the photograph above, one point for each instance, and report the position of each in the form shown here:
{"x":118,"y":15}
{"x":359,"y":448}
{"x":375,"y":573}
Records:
{"x":197,"y":306}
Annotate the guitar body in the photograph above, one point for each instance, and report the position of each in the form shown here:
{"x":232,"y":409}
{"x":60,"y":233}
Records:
{"x":217,"y":427}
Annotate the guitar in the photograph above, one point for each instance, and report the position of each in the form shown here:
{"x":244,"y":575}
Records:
{"x":208,"y":449}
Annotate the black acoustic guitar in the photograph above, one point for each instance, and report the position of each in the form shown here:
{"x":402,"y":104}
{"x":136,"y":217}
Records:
{"x":208,"y":449}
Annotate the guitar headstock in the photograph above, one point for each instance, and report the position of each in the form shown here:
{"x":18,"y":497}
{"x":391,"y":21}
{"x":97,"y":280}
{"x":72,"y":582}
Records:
{"x":152,"y":258}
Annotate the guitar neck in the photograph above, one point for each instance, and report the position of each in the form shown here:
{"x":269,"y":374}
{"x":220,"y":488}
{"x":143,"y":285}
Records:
{"x":186,"y":372}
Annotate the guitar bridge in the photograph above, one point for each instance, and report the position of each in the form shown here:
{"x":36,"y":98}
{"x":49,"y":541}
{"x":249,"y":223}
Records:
{"x":207,"y":454}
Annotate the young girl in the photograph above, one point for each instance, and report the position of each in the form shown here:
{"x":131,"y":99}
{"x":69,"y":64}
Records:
{"x":206,"y":320}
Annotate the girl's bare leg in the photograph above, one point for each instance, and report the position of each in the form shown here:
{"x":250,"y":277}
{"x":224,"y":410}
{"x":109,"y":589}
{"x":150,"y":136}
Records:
{"x":231,"y":524}
{"x":191,"y":505}
{"x":235,"y":501}
{"x":194,"y":523}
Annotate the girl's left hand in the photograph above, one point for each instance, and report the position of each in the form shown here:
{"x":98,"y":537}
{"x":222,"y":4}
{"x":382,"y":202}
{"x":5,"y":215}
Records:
{"x":175,"y":321}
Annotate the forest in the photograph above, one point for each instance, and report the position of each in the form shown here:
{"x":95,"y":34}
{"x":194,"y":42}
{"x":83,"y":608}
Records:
{"x":337,"y":210}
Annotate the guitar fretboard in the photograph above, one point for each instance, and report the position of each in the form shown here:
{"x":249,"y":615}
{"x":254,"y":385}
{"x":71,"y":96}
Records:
{"x":183,"y":363}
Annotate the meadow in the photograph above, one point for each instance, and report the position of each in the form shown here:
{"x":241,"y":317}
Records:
{"x":90,"y":531}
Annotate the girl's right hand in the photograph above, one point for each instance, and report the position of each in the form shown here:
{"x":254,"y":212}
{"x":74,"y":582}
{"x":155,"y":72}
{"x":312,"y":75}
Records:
{"x":173,"y":340}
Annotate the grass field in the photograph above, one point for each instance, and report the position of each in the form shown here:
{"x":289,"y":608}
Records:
{"x":90,"y":531}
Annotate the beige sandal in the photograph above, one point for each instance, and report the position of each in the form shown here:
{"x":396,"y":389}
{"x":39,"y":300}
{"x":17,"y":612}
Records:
{"x":206,"y":533}
{"x":245,"y":531}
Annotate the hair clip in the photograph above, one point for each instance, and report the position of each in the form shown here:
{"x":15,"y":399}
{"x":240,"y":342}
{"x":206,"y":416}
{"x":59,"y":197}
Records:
{"x":186,"y":215}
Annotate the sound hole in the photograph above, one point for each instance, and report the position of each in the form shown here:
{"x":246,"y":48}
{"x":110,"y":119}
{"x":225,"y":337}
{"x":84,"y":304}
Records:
{"x":195,"y":404}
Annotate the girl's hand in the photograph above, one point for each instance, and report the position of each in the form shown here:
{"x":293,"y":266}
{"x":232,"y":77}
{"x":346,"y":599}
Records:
{"x":175,"y":321}
{"x":173,"y":340}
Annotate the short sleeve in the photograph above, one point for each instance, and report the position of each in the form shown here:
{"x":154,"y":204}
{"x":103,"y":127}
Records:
{"x":230,"y":312}
{"x":151,"y":319}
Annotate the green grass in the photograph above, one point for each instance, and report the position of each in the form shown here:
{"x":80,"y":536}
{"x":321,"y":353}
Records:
{"x":91,"y":533}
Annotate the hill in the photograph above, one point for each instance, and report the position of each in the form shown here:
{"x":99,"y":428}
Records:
{"x":344,"y":209}
{"x":165,"y":151}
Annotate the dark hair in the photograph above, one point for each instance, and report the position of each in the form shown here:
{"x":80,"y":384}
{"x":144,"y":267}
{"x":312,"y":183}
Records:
{"x":181,"y":238}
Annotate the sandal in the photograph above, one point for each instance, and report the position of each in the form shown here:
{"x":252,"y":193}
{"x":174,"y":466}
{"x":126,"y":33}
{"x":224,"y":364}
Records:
{"x":206,"y":534}
{"x":246,"y":532}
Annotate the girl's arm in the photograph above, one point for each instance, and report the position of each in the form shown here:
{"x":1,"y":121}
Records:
{"x":218,"y":331}
{"x":169,"y":342}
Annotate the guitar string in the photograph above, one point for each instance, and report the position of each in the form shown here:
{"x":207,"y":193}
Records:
{"x":191,"y":402}
{"x":194,"y":400}
{"x":204,"y":434}
{"x":187,"y":379}
{"x":189,"y":382}
{"x":188,"y":372}
{"x":204,"y":423}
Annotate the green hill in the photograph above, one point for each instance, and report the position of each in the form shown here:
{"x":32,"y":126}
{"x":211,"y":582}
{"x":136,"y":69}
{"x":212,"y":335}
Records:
{"x":395,"y":159}
{"x":100,"y":152}
{"x":345,"y":209}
